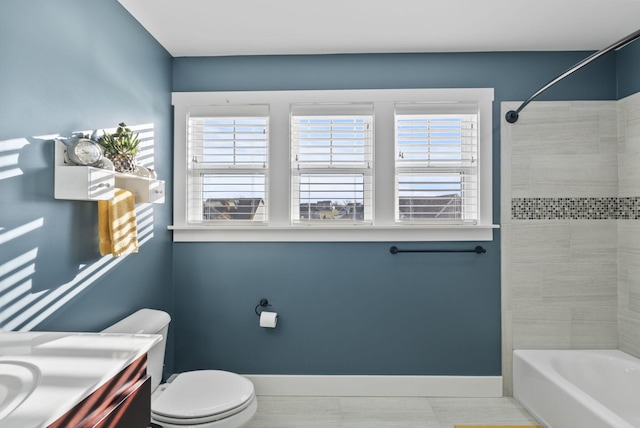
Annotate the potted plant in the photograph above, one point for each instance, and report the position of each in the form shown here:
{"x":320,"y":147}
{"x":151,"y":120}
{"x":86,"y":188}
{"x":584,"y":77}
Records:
{"x":121,"y":148}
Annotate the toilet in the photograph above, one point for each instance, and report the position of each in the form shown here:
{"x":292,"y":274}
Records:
{"x":195,"y":399}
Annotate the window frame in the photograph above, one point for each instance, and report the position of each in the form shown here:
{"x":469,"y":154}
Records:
{"x":384,"y":227}
{"x":300,"y":168}
{"x":423,"y":116}
{"x":198,"y":170}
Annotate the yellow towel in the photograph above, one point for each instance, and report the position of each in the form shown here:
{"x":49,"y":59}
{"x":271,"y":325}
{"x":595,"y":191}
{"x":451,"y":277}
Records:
{"x":117,"y":224}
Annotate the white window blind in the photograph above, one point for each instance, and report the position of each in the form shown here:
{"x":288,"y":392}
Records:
{"x":436,"y":163}
{"x":332,"y":163}
{"x":228,"y":164}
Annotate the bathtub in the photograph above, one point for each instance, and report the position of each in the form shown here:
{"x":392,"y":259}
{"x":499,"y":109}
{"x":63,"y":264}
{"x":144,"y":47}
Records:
{"x":576,"y":388}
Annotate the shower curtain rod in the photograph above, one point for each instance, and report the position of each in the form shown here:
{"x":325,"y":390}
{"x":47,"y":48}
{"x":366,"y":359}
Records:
{"x":512,"y":115}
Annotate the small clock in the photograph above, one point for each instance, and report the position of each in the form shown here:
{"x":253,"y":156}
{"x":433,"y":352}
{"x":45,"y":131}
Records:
{"x":84,"y":151}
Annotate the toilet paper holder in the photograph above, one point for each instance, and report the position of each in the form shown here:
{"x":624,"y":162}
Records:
{"x":263,"y":304}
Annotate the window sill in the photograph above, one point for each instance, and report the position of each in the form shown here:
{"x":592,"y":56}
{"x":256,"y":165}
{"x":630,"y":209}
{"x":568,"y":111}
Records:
{"x":333,"y":234}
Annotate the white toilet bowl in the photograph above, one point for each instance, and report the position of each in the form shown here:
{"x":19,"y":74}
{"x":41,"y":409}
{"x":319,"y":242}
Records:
{"x":204,"y":399}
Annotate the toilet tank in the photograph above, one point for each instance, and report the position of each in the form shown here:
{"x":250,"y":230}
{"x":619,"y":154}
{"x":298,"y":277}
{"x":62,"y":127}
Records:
{"x":147,"y":321}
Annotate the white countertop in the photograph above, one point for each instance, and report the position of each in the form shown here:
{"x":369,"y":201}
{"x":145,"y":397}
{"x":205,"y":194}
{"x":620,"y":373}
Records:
{"x":71,"y":366}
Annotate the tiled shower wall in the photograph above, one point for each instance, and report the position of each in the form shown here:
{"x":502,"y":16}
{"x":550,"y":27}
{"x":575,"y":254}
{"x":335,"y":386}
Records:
{"x":629,"y":230}
{"x":570,"y":199}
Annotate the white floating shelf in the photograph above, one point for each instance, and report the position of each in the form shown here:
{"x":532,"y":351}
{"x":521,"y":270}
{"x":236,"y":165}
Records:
{"x":87,"y":183}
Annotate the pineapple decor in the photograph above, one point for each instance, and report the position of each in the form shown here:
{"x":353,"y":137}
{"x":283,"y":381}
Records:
{"x":121,"y":148}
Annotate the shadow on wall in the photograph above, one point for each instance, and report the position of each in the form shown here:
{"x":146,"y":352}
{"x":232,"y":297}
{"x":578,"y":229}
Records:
{"x":49,"y":248}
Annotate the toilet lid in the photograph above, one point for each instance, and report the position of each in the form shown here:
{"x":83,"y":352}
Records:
{"x":202,"y":393}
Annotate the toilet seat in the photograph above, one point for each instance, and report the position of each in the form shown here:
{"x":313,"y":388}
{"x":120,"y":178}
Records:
{"x":202,"y":396}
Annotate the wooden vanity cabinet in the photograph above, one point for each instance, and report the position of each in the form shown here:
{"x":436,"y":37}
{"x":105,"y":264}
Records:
{"x":124,"y":401}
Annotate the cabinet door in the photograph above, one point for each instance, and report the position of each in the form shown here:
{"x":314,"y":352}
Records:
{"x":156,"y":191}
{"x":101,"y":184}
{"x":83,"y":183}
{"x":134,"y":411}
{"x":144,"y":190}
{"x":124,"y":401}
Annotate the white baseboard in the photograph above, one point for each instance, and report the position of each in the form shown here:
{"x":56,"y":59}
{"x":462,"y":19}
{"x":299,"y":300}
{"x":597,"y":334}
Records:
{"x":378,"y":386}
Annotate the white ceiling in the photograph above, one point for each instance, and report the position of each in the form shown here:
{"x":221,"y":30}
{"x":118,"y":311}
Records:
{"x":268,"y":27}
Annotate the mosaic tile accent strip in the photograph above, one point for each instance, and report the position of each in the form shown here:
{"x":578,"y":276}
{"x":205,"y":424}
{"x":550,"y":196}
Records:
{"x":612,"y":208}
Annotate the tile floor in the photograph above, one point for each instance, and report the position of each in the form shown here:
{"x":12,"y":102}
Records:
{"x":386,"y":412}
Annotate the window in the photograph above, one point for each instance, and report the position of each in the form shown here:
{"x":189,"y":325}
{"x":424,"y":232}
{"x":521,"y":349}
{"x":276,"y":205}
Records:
{"x":228,"y":167}
{"x":361,"y":165}
{"x":332,"y":163}
{"x":436,"y":163}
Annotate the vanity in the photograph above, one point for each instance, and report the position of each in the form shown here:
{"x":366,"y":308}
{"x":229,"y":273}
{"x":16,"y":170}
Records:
{"x":79,"y":380}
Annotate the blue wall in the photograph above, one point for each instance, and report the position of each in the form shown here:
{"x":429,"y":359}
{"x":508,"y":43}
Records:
{"x":628,"y":68}
{"x":514,"y":75}
{"x":352,"y":308}
{"x":70,"y":65}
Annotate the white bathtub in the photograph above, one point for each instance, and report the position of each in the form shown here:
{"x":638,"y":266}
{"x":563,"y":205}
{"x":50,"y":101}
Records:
{"x":576,"y":388}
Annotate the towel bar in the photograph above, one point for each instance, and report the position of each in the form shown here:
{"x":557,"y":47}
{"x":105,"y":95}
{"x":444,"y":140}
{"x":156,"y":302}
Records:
{"x":478,"y":250}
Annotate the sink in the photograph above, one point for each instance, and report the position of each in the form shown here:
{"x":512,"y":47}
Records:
{"x":17,"y":380}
